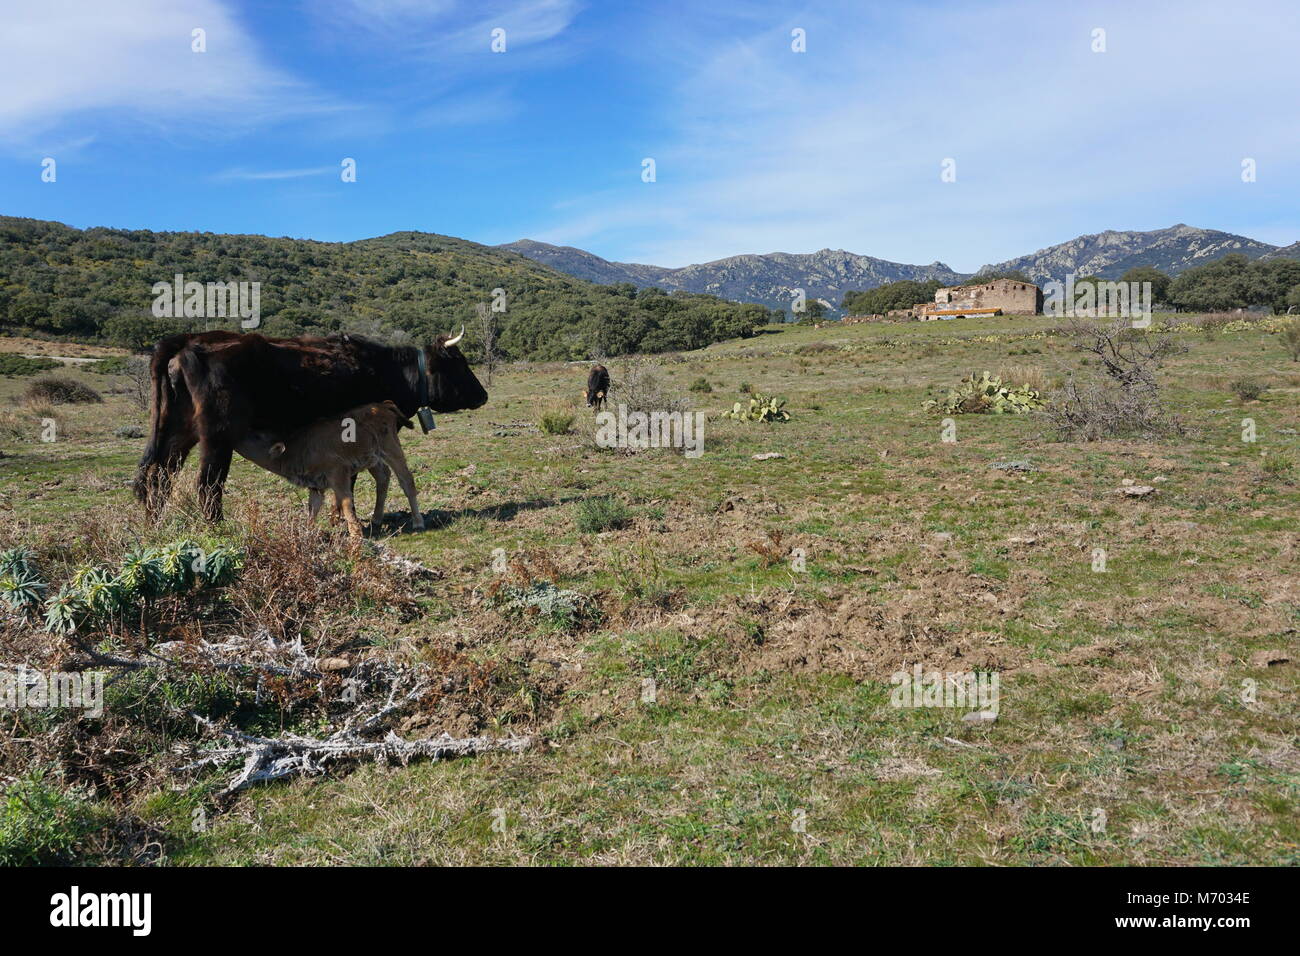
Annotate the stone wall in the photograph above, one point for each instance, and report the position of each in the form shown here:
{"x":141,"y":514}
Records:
{"x":1009,"y":295}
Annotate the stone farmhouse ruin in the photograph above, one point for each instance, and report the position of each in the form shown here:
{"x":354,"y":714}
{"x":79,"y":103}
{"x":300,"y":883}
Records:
{"x":980,"y":300}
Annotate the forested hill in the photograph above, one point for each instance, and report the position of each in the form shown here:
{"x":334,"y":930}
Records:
{"x":97,"y":285}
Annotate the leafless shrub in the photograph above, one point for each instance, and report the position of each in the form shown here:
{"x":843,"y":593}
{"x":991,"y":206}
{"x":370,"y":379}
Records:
{"x":642,"y":387}
{"x":139,"y":381}
{"x":1125,"y":399}
{"x":1129,"y":356}
{"x":486,"y":320}
{"x":1096,"y":409}
{"x":1291,"y":340}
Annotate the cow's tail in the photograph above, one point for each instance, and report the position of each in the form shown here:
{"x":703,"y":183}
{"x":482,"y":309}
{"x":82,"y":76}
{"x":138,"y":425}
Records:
{"x":162,"y":398}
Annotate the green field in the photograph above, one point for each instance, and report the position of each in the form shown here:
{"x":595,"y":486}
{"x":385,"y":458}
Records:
{"x":1141,"y":721}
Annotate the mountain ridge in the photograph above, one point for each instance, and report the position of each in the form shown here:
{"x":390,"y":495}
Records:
{"x":771,"y":278}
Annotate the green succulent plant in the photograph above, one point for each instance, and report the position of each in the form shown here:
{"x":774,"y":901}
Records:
{"x":142,"y":574}
{"x":96,"y":592}
{"x":220,"y":566}
{"x":760,"y":408}
{"x":17,"y":561}
{"x":102,"y":592}
{"x":988,"y":395}
{"x":21,"y":589}
{"x":178,"y":560}
{"x":65,"y":610}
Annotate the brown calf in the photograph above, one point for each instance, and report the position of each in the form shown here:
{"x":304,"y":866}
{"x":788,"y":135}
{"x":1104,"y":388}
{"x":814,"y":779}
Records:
{"x":331,"y":453}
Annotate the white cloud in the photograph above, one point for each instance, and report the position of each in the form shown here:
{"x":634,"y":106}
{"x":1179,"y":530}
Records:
{"x":253,"y":175}
{"x":68,"y":67}
{"x":442,"y":29}
{"x":841,"y":146}
{"x":447,"y":74}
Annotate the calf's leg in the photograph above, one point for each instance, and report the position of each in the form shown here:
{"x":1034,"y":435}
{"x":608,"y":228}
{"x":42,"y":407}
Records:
{"x":341,"y":485}
{"x":381,"y":475}
{"x":407,"y":481}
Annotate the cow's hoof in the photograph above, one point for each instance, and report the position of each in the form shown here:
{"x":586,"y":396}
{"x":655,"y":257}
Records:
{"x":417,"y":527}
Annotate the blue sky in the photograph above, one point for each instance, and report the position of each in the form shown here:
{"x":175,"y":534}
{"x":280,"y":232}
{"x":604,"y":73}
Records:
{"x":758,"y":148}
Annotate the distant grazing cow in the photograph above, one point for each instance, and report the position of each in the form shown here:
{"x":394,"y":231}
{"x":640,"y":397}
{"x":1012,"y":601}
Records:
{"x":330,"y":453}
{"x":597,"y":387}
{"x":213,"y":389}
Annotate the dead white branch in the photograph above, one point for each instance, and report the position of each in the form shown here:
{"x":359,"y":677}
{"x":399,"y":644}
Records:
{"x":267,"y":759}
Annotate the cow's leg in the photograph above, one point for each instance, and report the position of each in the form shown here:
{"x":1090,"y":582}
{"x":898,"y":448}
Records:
{"x":381,"y":474}
{"x":315,"y":497}
{"x":171,"y":432}
{"x":214,"y":465}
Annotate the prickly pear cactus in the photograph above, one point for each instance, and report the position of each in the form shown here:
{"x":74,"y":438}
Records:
{"x":988,"y":394}
{"x":760,"y":408}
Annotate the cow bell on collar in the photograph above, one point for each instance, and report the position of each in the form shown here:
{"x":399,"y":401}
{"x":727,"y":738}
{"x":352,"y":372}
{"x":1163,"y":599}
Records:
{"x":425,"y":415}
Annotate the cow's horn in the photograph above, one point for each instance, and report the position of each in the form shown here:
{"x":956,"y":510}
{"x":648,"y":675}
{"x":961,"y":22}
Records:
{"x":457,"y":338}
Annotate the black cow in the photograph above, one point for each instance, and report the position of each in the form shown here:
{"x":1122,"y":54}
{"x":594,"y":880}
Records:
{"x":213,"y":389}
{"x":597,"y":387}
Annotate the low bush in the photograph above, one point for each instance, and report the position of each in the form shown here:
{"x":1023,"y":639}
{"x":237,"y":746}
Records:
{"x":41,"y":823}
{"x":1247,"y":389}
{"x":560,"y":607}
{"x":57,"y":390}
{"x":11,"y":363}
{"x":556,"y":421}
{"x":815,"y":348}
{"x":602,"y":514}
{"x":1093,"y":410}
{"x":1279,"y":468}
{"x":113,"y":365}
